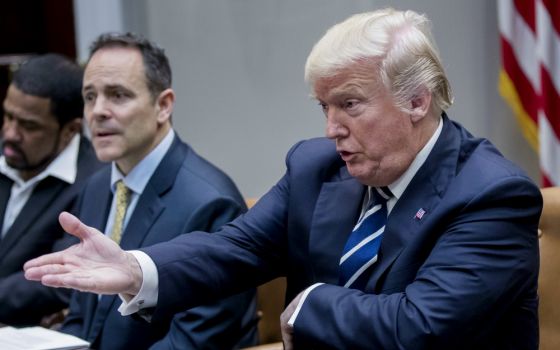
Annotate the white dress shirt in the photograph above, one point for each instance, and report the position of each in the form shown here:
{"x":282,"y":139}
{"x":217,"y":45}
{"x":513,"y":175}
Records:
{"x":136,"y":180}
{"x":64,"y":167}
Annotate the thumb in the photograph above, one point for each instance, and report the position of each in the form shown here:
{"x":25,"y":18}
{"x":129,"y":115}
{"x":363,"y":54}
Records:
{"x":74,"y":226}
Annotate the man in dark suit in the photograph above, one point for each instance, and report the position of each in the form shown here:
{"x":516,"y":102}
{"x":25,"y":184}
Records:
{"x":170,"y":189}
{"x":43,"y":166}
{"x":449,"y":225}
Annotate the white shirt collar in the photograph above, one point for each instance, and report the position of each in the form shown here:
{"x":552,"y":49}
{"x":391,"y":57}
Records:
{"x":137,"y":179}
{"x":63,"y":167}
{"x":399,"y":186}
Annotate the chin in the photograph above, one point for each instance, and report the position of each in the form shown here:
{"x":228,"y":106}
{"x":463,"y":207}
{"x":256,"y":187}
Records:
{"x":105,"y":156}
{"x":369,"y":180}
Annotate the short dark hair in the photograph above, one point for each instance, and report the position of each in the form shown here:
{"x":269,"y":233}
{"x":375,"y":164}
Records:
{"x":57,"y":78}
{"x":156,"y":65}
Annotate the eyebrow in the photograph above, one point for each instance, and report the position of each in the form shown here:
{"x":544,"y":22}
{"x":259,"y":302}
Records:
{"x":25,"y":118}
{"x":106,"y":87}
{"x":347,"y":89}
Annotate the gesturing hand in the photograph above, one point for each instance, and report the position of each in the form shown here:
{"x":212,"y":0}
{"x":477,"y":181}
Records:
{"x":96,"y":264}
{"x":287,"y":330}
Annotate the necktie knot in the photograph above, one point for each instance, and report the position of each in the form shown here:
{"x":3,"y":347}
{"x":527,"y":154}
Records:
{"x":381,"y":194}
{"x":360,"y":251}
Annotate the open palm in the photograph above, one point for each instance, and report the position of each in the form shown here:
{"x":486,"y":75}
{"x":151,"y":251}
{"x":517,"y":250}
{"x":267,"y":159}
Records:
{"x":96,"y":264}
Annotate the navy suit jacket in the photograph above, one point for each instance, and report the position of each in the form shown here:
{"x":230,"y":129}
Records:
{"x":463,"y":276}
{"x":185,"y":193}
{"x":36,"y":231}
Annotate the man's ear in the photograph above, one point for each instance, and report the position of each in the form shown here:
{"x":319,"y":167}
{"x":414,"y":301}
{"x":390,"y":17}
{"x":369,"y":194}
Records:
{"x":164,"y":105}
{"x":420,"y":104}
{"x":68,"y":131}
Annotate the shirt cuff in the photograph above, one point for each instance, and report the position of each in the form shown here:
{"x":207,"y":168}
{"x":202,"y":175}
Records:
{"x":292,"y":319}
{"x":148,"y":294}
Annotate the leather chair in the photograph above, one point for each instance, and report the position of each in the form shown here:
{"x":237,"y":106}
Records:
{"x":549,"y":276}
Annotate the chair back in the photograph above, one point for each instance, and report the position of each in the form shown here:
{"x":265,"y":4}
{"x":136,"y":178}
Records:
{"x":549,"y":275}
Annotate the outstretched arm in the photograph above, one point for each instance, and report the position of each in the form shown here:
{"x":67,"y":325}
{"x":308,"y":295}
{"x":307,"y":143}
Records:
{"x":96,"y":264}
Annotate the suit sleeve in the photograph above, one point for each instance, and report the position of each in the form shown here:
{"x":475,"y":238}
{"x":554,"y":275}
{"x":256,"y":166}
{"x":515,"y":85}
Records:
{"x":486,"y":257}
{"x":25,"y":302}
{"x":226,"y":324}
{"x":243,"y":254}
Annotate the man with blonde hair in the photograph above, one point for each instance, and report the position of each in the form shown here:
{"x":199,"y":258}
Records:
{"x":400,"y":230}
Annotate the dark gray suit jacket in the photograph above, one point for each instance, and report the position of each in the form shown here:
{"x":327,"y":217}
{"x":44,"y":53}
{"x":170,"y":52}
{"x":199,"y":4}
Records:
{"x":185,"y":193}
{"x":36,"y":231}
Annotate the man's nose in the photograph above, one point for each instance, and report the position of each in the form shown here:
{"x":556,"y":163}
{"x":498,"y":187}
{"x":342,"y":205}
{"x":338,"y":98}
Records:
{"x":10,"y":131}
{"x":99,"y":109}
{"x":335,"y":128}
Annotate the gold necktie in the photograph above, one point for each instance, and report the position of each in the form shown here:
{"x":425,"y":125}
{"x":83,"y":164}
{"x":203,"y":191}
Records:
{"x":123,"y":197}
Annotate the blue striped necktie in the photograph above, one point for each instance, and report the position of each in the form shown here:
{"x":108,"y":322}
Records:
{"x":360,"y":251}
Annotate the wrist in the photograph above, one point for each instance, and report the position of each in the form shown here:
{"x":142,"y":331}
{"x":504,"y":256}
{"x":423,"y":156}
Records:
{"x":136,"y":276}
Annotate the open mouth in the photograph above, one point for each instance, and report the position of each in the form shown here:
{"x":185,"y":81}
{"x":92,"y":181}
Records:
{"x":345,"y":155}
{"x":102,"y":134}
{"x":11,"y":152}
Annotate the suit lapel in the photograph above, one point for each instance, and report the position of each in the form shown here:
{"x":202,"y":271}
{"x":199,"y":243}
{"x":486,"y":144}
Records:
{"x":45,"y":192}
{"x":101,"y":306}
{"x":150,"y":205}
{"x":98,"y":196}
{"x":336,"y":212}
{"x":424,"y":192}
{"x":145,"y":214}
{"x":5,"y":192}
{"x":149,"y":208}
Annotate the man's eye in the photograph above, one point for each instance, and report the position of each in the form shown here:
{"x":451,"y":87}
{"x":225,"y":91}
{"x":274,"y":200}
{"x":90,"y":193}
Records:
{"x":324,"y":107}
{"x":119,"y":96}
{"x":89,"y":97}
{"x":29,"y":126}
{"x":350,"y":104}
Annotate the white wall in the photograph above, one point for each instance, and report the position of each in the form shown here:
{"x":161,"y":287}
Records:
{"x":93,"y":18}
{"x":238,"y":74}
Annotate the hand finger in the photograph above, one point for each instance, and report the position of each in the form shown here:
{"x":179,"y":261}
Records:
{"x":287,"y":341}
{"x":48,"y":259}
{"x":286,"y":329}
{"x":75,"y":227}
{"x":84,"y":284}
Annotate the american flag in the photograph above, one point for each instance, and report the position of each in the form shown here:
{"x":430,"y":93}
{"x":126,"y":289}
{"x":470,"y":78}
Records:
{"x":419,"y":214}
{"x":530,"y":76}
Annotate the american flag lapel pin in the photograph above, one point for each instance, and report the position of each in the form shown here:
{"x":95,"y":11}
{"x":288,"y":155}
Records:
{"x":420,"y":214}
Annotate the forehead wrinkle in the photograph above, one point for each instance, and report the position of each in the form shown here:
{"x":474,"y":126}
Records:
{"x":357,"y":86}
{"x":110,"y":71}
{"x":351,"y":88}
{"x":111,"y":78}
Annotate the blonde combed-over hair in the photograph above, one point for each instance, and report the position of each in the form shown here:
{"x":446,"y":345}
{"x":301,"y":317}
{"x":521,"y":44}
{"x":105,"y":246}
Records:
{"x":398,"y":43}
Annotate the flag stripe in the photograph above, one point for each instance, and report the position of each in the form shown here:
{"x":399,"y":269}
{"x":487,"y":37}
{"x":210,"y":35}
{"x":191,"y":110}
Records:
{"x":528,"y":125}
{"x":550,"y":102}
{"x":521,"y":41}
{"x":530,"y":76}
{"x":527,"y":95}
{"x":548,"y":47}
{"x":553,"y":7}
{"x":549,"y":150}
{"x":526,"y":9}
